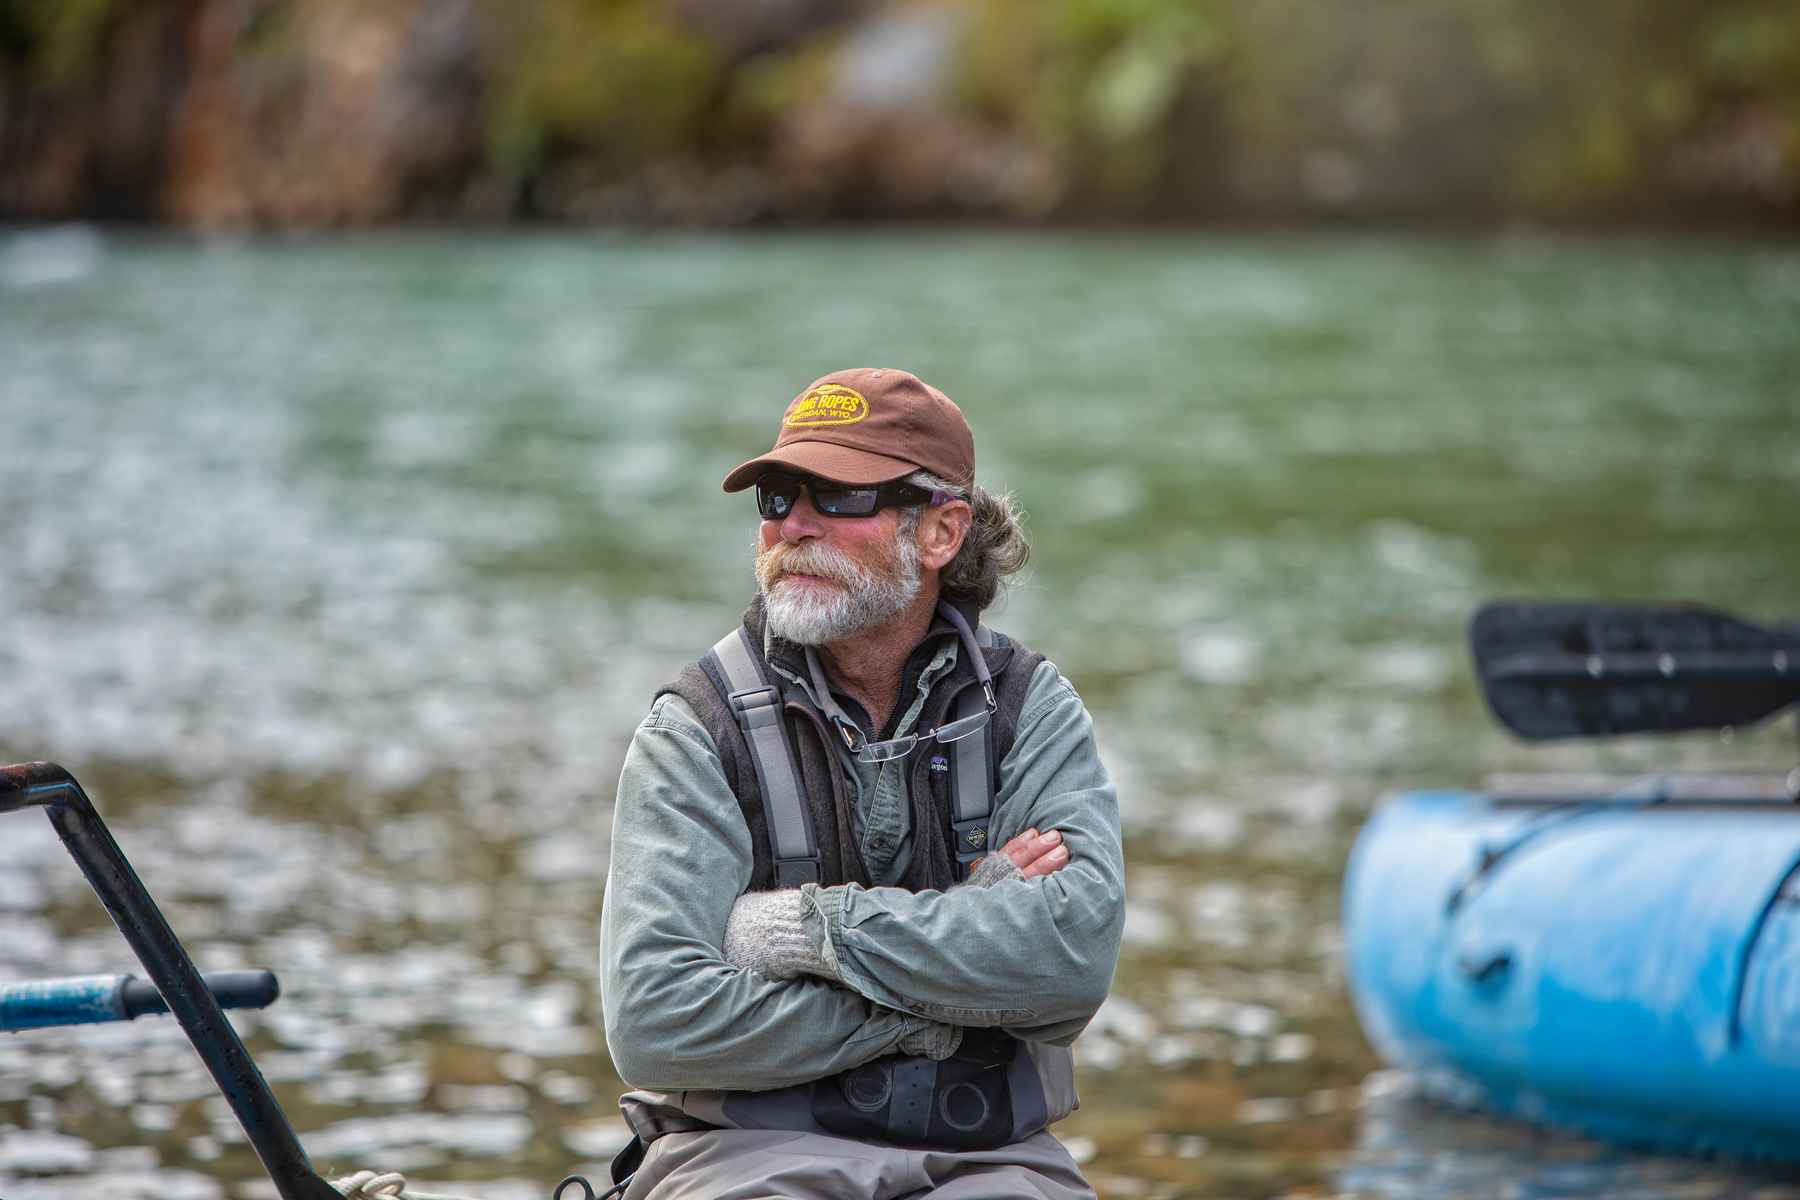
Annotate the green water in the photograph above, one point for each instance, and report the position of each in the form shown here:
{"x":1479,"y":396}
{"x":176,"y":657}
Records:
{"x":341,"y":569}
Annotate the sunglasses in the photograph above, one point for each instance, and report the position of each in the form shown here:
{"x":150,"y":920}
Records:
{"x":777,"y":494}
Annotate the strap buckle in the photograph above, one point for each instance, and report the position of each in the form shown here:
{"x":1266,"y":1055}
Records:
{"x":971,"y":838}
{"x":792,"y":872}
{"x":756,"y":707}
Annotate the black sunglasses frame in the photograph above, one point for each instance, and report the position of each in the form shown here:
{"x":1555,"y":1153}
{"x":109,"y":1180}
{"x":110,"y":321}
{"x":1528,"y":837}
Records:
{"x":839,"y":500}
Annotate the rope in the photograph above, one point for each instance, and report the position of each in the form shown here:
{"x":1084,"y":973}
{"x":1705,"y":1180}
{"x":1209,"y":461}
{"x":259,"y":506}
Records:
{"x":391,"y":1185}
{"x":383,"y":1185}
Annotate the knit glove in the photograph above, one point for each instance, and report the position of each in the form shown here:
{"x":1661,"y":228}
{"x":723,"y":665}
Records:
{"x":772,"y":933}
{"x":776,"y":934}
{"x":931,"y":1039}
{"x":994,"y":868}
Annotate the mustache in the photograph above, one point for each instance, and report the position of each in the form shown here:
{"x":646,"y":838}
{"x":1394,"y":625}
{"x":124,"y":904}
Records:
{"x":807,"y":558}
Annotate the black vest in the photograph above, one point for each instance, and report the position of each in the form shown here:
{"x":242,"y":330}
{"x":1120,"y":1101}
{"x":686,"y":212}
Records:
{"x":822,"y":772}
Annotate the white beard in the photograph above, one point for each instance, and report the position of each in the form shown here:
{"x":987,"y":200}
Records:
{"x":864,"y":597}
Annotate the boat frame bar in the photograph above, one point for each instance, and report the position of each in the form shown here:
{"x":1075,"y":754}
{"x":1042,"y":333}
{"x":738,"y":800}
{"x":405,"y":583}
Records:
{"x":48,"y":786}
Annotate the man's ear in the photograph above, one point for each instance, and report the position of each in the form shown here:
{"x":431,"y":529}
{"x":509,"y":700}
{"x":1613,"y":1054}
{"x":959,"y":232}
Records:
{"x":941,"y":533}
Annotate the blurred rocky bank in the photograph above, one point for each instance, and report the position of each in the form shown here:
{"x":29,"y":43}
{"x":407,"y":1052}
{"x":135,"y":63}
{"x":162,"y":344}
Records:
{"x":305,"y":113}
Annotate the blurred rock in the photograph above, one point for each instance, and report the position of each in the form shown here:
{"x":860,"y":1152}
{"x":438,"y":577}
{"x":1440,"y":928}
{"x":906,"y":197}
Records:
{"x":249,"y":112}
{"x":90,"y":140}
{"x":1741,"y":159}
{"x":746,"y":27}
{"x":887,"y":140}
{"x":329,"y":113}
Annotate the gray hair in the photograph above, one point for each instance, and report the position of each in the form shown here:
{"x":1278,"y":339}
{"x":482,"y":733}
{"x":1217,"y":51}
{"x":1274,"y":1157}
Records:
{"x":994,"y":547}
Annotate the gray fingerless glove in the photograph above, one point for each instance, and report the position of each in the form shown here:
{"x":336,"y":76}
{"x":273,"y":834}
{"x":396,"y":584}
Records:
{"x":769,"y":933}
{"x":993,"y":869}
{"x":773,"y":934}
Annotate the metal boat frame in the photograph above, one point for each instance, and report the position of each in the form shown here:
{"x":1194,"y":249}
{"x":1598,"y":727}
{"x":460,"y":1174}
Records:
{"x":48,"y":786}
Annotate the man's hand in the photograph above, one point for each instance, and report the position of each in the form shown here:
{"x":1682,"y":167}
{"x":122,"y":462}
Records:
{"x":1030,"y":854}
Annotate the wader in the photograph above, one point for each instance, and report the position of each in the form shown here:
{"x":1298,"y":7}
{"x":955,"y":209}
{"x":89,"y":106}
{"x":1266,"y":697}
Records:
{"x":990,"y":1102}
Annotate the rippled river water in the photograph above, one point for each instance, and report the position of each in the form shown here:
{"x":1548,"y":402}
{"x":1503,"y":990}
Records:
{"x":340,"y":570}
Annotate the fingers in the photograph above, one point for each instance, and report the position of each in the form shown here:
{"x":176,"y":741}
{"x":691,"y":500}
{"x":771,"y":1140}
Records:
{"x":1055,"y":856}
{"x":1020,"y":849}
{"x":1033,"y":853}
{"x":1037,"y":853}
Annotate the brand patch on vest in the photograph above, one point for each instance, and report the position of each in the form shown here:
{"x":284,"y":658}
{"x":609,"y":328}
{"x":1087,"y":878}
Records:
{"x":827,"y":404}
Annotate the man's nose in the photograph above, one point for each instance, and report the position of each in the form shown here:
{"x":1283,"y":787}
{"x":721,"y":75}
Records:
{"x":802,"y":520}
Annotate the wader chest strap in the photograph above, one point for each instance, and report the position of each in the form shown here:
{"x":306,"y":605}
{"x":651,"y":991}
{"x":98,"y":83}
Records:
{"x":972,"y":773}
{"x":757,"y":706}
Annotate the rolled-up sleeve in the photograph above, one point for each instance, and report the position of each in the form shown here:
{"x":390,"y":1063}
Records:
{"x":1034,"y":955}
{"x":677,"y":1014}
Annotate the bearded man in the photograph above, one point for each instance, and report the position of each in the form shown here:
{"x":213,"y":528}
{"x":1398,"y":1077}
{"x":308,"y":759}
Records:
{"x":817,"y":977}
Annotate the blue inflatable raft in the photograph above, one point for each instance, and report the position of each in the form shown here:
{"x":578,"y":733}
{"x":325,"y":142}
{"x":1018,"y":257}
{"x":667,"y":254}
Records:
{"x":1627,"y":965}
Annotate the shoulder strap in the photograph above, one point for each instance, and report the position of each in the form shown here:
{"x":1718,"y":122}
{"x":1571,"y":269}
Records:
{"x":757,"y":706}
{"x":972,"y":772}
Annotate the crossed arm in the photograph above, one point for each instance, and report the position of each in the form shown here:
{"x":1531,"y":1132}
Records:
{"x":677,"y":1014}
{"x":1034,"y":952}
{"x":785,"y":934}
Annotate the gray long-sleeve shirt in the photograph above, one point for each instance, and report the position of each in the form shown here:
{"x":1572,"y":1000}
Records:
{"x":1035,"y":956}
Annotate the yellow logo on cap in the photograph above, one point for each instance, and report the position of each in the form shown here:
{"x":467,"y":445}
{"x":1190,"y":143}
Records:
{"x":828,"y":404}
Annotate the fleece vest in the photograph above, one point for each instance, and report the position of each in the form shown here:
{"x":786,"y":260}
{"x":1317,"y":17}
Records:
{"x":823,"y":776}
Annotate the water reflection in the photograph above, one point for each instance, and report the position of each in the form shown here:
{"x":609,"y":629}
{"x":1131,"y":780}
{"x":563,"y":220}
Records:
{"x":1409,"y":1149}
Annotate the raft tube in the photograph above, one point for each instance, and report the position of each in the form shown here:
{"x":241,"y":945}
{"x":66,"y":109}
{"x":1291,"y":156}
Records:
{"x":1629,"y":970}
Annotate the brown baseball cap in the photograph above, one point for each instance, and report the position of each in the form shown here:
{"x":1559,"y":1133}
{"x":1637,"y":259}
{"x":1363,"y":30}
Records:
{"x":868,"y":425}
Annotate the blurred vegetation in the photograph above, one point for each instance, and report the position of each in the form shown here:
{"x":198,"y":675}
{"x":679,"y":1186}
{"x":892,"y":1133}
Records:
{"x":1505,"y":104}
{"x":1162,"y":109}
{"x":54,"y":42}
{"x":618,"y":80}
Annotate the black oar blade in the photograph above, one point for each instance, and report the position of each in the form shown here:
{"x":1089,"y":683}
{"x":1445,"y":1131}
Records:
{"x":1594,"y":670}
